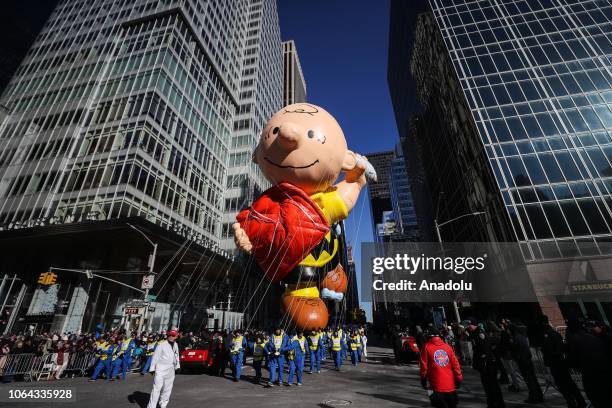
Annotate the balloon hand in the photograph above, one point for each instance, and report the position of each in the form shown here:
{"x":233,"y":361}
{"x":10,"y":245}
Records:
{"x":241,"y":239}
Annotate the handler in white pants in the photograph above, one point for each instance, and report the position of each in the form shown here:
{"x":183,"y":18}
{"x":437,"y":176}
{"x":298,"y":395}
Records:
{"x":164,"y":363}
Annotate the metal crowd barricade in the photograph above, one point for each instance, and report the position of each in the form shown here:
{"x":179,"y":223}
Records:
{"x":25,"y":365}
{"x":542,"y":372}
{"x":44,"y":366}
{"x":80,"y":362}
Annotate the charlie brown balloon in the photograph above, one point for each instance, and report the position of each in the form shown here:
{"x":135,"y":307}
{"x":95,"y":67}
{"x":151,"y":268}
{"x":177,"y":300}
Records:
{"x":291,"y":229}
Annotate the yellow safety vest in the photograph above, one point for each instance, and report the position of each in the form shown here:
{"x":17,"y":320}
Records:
{"x":314,"y":341}
{"x":150,"y":348}
{"x":258,"y":351}
{"x":302,"y":343}
{"x":237,"y":344}
{"x":125,"y":344}
{"x":354,"y":343}
{"x":336,"y":343}
{"x":102,"y":349}
{"x":116,"y":352}
{"x":278,"y":342}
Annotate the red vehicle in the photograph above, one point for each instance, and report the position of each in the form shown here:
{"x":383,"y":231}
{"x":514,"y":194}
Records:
{"x":410,"y":349}
{"x":196,"y":358}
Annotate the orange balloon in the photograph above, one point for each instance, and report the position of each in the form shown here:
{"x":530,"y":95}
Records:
{"x":335,"y":280}
{"x":306,"y":313}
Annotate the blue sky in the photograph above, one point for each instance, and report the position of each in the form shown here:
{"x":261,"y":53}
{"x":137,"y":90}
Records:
{"x":342,"y":46}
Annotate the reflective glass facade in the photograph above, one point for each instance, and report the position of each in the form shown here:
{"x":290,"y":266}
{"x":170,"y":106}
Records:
{"x":124,"y":108}
{"x":261,"y":95}
{"x":536,"y":77}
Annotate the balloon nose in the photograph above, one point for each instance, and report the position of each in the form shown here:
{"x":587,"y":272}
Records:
{"x":288,"y":136}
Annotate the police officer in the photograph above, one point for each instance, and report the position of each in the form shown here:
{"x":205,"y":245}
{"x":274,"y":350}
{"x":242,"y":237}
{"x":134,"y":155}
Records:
{"x":554,"y":359}
{"x":315,"y":345}
{"x":296,"y":351}
{"x":237,"y":346}
{"x":104,"y":351}
{"x":439,"y":366}
{"x":485,"y":362}
{"x":277,"y":342}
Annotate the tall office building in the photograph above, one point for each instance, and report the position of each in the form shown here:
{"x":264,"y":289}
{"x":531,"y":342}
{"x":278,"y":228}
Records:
{"x":261,"y":93}
{"x":121,"y":117}
{"x":124,"y":108}
{"x":260,"y":97}
{"x":524,"y":89}
{"x":391,"y":205}
{"x":402,"y":89}
{"x":378,"y":192}
{"x":401,"y":198}
{"x":294,"y":89}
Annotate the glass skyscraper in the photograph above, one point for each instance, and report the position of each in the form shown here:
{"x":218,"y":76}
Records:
{"x":125,"y":108}
{"x":294,"y":89}
{"x":401,"y":197}
{"x":261,"y":95}
{"x":513,"y":124}
{"x":536,"y":77}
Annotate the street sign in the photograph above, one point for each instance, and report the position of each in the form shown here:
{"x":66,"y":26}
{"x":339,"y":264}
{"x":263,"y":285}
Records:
{"x":137,"y":303}
{"x":130,"y":310}
{"x":152,"y":298}
{"x":147,"y":282}
{"x":151,"y":309}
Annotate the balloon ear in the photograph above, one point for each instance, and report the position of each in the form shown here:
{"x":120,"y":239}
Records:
{"x":350,"y":161}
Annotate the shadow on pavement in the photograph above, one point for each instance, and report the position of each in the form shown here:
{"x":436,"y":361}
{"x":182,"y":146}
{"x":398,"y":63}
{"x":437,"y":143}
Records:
{"x":140,"y":398}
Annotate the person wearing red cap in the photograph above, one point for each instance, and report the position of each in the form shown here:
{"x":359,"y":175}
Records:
{"x":164,"y":364}
{"x":439,"y":366}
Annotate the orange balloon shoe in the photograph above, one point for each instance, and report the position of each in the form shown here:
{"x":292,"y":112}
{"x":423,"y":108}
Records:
{"x":307,"y":313}
{"x":335,"y":280}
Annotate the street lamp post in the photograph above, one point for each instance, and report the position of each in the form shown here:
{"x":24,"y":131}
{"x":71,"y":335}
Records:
{"x":151,"y":273}
{"x":439,"y":235}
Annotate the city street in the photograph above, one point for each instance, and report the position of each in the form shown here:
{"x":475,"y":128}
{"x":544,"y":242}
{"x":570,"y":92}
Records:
{"x":378,"y":383}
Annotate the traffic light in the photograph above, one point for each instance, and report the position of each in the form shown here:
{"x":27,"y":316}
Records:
{"x":47,"y":278}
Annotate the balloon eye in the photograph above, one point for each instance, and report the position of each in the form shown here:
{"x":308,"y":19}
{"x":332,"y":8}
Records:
{"x":275,"y":130}
{"x":311,"y":134}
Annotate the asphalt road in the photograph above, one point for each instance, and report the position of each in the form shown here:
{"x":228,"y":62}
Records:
{"x":377,"y":383}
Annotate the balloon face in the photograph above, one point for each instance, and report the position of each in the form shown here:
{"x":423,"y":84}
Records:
{"x":302,"y":144}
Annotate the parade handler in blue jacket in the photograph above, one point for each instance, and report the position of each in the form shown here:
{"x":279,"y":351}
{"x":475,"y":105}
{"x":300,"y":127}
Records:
{"x":236,"y":347}
{"x":296,"y":351}
{"x":276,"y":360}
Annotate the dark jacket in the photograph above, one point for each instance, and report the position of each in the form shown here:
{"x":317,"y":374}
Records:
{"x":553,"y":349}
{"x":588,"y":352}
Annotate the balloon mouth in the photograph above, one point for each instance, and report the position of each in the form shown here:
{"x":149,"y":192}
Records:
{"x":291,"y":167}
